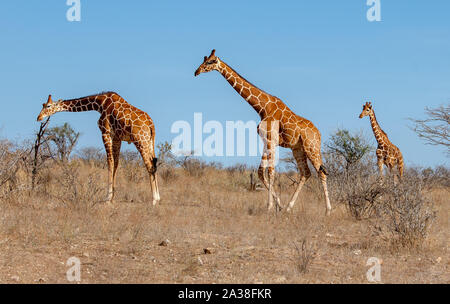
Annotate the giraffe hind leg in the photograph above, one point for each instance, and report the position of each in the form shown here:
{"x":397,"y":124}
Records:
{"x":150,"y":163}
{"x":304,"y":173}
{"x":107,"y":141}
{"x":321,"y":171}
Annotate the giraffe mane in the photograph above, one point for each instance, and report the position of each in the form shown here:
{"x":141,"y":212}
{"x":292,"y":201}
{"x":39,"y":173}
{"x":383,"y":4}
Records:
{"x":93,"y":95}
{"x":246,"y":79}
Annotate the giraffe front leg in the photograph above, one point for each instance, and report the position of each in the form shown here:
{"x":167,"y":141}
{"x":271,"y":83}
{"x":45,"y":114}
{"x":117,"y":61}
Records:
{"x":262,"y":170}
{"x":117,"y":143}
{"x":107,"y":141}
{"x":269,"y":132}
{"x":268,"y":182}
{"x":271,"y":179}
{"x":262,"y":176}
{"x":380,"y":163}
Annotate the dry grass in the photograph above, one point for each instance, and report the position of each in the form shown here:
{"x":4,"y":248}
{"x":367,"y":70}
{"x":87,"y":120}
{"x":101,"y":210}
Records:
{"x":64,"y":217}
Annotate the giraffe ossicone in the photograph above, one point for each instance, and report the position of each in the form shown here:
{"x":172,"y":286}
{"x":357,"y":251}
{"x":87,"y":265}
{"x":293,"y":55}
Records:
{"x":119,"y":121}
{"x":279,"y":127}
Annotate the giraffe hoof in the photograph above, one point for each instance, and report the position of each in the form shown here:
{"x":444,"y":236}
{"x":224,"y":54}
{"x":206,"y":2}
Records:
{"x":328,"y":212}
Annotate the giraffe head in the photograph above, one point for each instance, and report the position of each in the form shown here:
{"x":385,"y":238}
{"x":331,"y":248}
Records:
{"x":209,"y":64}
{"x":367,"y":108}
{"x":49,"y":108}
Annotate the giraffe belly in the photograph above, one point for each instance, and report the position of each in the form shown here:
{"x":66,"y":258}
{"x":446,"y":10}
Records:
{"x":127,"y":138}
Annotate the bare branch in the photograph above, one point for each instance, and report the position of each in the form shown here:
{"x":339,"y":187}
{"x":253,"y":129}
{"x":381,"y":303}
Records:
{"x":435,"y":129}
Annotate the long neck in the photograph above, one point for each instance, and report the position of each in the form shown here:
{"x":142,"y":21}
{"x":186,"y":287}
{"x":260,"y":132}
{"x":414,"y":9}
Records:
{"x":255,"y":97}
{"x":89,"y":103}
{"x":379,"y":134}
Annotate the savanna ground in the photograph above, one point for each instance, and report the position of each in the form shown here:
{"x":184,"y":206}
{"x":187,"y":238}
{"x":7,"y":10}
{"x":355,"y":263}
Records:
{"x":210,"y":227}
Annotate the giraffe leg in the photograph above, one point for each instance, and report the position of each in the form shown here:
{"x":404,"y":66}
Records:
{"x":269,"y":132}
{"x":392,"y":174}
{"x":323,"y":178}
{"x":149,"y":159}
{"x":380,"y":164}
{"x":271,"y":149}
{"x":262,"y":170}
{"x":107,"y":141}
{"x":318,"y":165}
{"x":117,"y":143}
{"x":304,"y":173}
{"x":400,"y":169}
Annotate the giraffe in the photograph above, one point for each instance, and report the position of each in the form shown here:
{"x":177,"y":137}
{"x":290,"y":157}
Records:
{"x":387,"y":153}
{"x":119,"y":121}
{"x":279,"y":126}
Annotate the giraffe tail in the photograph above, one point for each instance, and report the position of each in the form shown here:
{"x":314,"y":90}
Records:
{"x":155,"y":162}
{"x":400,"y":166}
{"x":323,"y":169}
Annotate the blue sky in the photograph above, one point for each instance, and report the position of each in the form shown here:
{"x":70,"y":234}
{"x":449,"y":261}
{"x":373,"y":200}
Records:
{"x":322,"y":58}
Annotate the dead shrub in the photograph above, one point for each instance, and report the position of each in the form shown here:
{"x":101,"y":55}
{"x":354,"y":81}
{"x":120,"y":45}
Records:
{"x":77,"y":190}
{"x":93,"y":156}
{"x":168,"y":174}
{"x":10,"y":163}
{"x":405,"y":213}
{"x":194,"y":167}
{"x":304,"y":255}
{"x":401,"y":213}
{"x":357,"y":187}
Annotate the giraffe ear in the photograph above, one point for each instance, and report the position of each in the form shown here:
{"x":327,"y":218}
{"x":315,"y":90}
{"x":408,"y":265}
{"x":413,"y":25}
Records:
{"x":205,"y":58}
{"x":49,"y":100}
{"x":213,"y":52}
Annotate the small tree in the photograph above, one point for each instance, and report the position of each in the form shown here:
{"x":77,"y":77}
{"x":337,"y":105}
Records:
{"x":165,"y":155}
{"x":38,"y":156}
{"x":435,"y":129}
{"x":64,"y":138}
{"x":92,"y":155}
{"x":350,"y":147}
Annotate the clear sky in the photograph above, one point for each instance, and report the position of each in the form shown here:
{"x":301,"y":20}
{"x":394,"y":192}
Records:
{"x":322,"y":58}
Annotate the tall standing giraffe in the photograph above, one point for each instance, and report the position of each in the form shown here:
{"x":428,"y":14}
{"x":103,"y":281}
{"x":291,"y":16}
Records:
{"x":387,"y":153}
{"x":278,"y":126}
{"x":119,"y":121}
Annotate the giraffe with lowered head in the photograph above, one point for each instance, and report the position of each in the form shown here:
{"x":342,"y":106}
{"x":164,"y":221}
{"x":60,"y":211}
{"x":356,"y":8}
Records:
{"x":279,"y":126}
{"x":119,"y":121}
{"x":387,"y":153}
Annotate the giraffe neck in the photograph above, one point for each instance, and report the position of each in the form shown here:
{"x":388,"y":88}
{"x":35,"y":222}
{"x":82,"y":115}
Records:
{"x":379,"y":134}
{"x":247,"y":90}
{"x":89,"y":103}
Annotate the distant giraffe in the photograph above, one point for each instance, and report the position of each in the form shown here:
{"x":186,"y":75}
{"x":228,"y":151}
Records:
{"x":279,"y":126}
{"x":387,"y":153}
{"x":119,"y":121}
